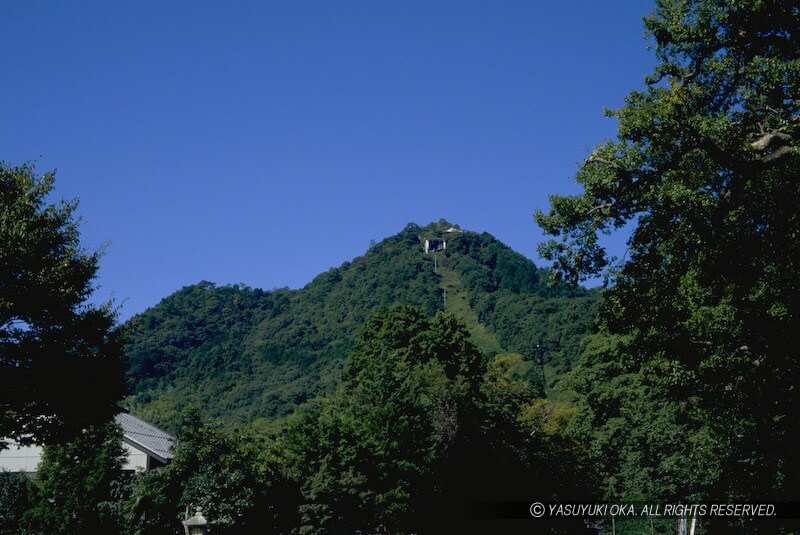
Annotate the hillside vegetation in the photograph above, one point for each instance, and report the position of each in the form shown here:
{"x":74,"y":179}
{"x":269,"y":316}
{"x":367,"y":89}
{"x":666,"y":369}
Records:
{"x":250,"y":355}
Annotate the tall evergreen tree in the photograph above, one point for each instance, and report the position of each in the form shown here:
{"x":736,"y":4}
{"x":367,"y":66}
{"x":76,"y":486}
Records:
{"x":692,"y":386}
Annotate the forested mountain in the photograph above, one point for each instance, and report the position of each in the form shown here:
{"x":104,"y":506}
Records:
{"x":251,"y":355}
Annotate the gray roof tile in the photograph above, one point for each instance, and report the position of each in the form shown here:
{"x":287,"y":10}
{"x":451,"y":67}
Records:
{"x":146,"y":435}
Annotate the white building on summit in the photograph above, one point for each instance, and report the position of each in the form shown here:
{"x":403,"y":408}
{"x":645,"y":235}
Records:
{"x":434,"y":245}
{"x":146,"y":447}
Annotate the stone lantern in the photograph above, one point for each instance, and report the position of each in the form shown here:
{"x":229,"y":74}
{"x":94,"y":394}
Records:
{"x":196,"y":525}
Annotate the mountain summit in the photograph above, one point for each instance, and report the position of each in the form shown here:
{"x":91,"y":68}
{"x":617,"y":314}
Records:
{"x":245,"y":354}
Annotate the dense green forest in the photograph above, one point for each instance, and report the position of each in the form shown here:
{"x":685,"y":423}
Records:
{"x":421,"y":424}
{"x":383,"y":397}
{"x":249,"y":355}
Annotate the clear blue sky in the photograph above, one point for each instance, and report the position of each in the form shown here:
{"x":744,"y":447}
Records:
{"x":265,"y":142}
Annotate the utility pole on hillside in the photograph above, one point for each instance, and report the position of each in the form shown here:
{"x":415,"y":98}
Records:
{"x":538,"y":352}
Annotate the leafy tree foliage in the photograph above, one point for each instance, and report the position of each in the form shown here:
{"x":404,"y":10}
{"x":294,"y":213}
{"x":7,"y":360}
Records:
{"x":691,"y":388}
{"x":80,"y":484}
{"x":243,"y":353}
{"x":60,"y":367}
{"x":189,"y":350}
{"x":560,"y":323}
{"x":418,"y":422}
{"x":251,"y":355}
{"x":520,"y":303}
{"x":17,"y":495}
{"x":223,"y":473}
{"x":365,"y":456}
{"x":419,"y":427}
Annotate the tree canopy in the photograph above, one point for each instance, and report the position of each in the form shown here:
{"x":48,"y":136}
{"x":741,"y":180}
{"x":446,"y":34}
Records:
{"x":421,"y":425}
{"x":225,"y":474}
{"x":692,"y":383}
{"x":367,"y":456}
{"x":80,"y":485}
{"x":60,"y":359}
{"x":249,"y":355}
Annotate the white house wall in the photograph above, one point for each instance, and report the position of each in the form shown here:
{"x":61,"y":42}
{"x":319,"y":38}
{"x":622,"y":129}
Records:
{"x":27,"y":458}
{"x":136,"y":458}
{"x":20,"y":458}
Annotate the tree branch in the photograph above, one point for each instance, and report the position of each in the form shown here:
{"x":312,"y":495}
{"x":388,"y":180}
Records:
{"x":603,"y":206}
{"x":765,"y":140}
{"x":780,"y":153}
{"x":604,"y":161}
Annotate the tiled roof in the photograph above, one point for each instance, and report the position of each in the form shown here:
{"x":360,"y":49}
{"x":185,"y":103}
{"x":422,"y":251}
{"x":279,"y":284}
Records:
{"x":145,"y":435}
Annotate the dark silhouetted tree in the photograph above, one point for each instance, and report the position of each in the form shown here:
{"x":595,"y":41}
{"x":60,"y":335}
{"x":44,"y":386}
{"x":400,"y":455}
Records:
{"x":60,"y":366}
{"x":691,"y":386}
